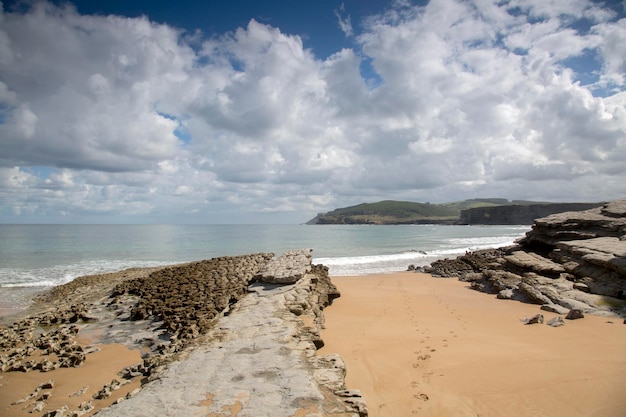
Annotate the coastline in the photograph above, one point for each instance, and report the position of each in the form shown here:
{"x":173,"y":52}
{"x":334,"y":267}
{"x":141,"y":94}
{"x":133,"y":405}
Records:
{"x":255,"y":339}
{"x":418,"y":345}
{"x":412,"y":344}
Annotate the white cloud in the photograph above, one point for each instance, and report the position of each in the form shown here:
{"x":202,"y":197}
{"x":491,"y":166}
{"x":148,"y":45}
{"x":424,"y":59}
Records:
{"x":345,"y":23}
{"x":614,"y":50}
{"x":475,"y":99}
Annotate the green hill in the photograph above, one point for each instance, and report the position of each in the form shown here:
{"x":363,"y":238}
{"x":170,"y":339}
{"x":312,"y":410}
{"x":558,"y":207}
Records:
{"x":474,"y":211}
{"x":388,"y":212}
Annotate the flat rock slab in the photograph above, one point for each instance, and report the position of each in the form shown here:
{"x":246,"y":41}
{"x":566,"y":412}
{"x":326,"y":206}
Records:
{"x":534,"y":262}
{"x":255,"y":362}
{"x":288,"y":268}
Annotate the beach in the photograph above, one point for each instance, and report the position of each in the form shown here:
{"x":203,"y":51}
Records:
{"x":417,"y":345}
{"x":413,"y":345}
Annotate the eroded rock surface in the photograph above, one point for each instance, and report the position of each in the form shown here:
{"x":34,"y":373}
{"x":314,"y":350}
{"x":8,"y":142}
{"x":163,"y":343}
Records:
{"x":568,"y":261}
{"x":288,"y":268}
{"x":212,"y":336}
{"x":259,"y":360}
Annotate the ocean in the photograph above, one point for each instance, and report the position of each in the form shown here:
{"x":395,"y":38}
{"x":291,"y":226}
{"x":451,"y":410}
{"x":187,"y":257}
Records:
{"x":41,"y":256}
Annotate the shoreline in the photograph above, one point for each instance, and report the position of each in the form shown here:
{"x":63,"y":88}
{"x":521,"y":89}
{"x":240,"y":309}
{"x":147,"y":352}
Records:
{"x":418,"y":345}
{"x":413,"y":344}
{"x":257,"y":335}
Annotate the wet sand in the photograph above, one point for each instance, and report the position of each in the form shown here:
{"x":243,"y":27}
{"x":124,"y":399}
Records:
{"x":416,"y":345}
{"x":72,"y":386}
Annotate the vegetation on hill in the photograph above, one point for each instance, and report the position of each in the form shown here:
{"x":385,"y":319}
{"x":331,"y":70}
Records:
{"x":407,"y":212}
{"x":387,"y":211}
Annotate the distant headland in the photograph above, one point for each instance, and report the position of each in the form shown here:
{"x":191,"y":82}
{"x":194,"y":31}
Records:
{"x":492,"y":211}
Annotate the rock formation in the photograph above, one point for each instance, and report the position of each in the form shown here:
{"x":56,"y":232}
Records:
{"x":571,"y":261}
{"x":518,"y":213}
{"x":255,"y":340}
{"x":288,"y":268}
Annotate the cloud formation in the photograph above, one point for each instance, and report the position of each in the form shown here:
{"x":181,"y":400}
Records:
{"x":123,"y":118}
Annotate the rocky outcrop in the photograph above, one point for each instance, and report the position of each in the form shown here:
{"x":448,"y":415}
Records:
{"x":187,"y":297}
{"x":518,"y":213}
{"x":255,"y":342}
{"x":259,"y":359}
{"x":288,"y":268}
{"x":572,"y":261}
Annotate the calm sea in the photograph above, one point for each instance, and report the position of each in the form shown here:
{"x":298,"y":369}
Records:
{"x":34,"y":256}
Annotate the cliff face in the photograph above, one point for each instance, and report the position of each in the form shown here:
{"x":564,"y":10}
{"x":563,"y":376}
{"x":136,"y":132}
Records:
{"x":518,"y":213}
{"x":568,"y":261}
{"x":478,"y":211}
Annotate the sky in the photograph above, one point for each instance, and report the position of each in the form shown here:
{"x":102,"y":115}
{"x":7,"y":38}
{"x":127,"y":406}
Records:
{"x":271,"y":112}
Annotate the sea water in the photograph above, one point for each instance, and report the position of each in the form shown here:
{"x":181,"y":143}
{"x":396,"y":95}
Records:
{"x":42,"y":256}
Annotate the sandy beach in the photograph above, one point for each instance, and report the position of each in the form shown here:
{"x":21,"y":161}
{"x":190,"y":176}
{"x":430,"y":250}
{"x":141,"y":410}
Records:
{"x":415,"y":345}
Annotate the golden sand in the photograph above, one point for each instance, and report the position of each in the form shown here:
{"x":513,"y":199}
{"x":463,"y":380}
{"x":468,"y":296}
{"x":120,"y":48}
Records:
{"x":72,"y":386}
{"x":417,"y":345}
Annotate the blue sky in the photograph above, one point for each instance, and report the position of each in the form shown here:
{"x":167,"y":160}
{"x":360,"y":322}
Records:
{"x":273,"y":111}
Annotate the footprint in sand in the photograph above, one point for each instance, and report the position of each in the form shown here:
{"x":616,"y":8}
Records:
{"x":422,"y":397}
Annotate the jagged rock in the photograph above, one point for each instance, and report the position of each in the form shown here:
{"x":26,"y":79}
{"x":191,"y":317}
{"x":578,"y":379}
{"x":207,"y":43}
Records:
{"x":188,"y":297}
{"x":288,"y":268}
{"x":533,"y":295}
{"x":49,"y":384}
{"x":555,"y":308}
{"x":556,"y":321}
{"x":505,"y":294}
{"x":572,"y":260}
{"x":501,"y":280}
{"x":260,"y":352}
{"x":104,"y":393}
{"x":575,"y":314}
{"x":536,"y":319}
{"x":57,"y":413}
{"x":528,"y":261}
{"x":85,"y":407}
{"x":38,"y":407}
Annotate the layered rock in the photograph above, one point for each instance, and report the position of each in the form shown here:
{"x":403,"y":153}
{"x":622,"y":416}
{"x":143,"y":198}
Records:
{"x":288,"y":268}
{"x":260,"y":359}
{"x":255,"y":342}
{"x":518,"y":213}
{"x":571,"y":260}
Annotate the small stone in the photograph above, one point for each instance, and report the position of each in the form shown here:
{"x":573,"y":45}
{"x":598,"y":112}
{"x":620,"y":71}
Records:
{"x":536,"y":319}
{"x":45,"y":396}
{"x":85,"y":407}
{"x":556,"y":321}
{"x":505,"y":294}
{"x":104,"y":393}
{"x":46,"y":385}
{"x":38,"y":408}
{"x":574,"y":314}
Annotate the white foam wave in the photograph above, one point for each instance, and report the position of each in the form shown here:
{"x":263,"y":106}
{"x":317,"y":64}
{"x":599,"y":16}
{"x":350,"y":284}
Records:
{"x":62,"y":274}
{"x":384,"y":263}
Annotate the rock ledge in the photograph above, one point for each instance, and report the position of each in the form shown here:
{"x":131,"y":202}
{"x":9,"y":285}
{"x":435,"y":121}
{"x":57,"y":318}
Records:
{"x":568,"y":261}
